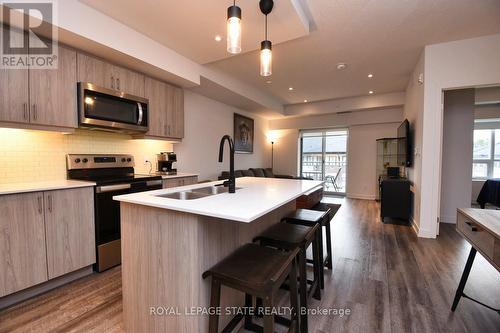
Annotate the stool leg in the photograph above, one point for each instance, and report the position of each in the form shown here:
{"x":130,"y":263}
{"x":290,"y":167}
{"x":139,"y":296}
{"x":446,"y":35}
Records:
{"x":303,"y":290}
{"x":248,"y":305}
{"x":322,"y":266}
{"x":316,"y":268}
{"x":213,"y":323}
{"x":329,"y":263}
{"x":294,"y":302}
{"x":268,"y":316}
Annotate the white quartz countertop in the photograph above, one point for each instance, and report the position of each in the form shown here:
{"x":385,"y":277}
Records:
{"x":179,"y":175}
{"x":254,"y":198}
{"x":42,"y":186}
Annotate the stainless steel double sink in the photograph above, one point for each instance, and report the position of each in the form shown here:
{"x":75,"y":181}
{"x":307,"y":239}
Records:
{"x":196,"y":193}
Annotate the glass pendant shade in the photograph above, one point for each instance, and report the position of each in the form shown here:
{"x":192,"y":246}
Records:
{"x":234,"y":29}
{"x":266,"y":58}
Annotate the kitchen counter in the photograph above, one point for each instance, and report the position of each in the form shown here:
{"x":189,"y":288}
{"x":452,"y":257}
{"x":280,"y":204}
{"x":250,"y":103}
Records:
{"x":51,"y":185}
{"x":179,"y":175}
{"x":254,"y":198}
{"x":167,"y":244}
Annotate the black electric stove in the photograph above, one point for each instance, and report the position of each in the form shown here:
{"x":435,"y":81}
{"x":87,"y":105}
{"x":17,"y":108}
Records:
{"x":113,"y":175}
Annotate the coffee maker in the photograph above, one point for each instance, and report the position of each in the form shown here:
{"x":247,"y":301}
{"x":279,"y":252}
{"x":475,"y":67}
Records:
{"x":165,"y":161}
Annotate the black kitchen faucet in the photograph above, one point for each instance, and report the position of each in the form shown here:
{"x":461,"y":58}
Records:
{"x":231,"y":182}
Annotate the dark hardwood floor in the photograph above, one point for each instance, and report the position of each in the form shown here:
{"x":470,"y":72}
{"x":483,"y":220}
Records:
{"x":390,"y":280}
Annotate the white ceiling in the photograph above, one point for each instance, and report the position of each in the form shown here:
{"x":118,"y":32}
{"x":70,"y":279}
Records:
{"x":383,"y":37}
{"x":190,"y":26}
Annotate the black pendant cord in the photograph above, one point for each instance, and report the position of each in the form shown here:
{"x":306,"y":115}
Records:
{"x":266,"y":26}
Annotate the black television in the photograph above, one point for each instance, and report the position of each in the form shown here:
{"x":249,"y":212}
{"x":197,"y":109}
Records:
{"x":404,"y":144}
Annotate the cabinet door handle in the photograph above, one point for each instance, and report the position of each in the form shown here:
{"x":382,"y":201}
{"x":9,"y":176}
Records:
{"x":25,"y":111}
{"x":112,"y":82}
{"x":50,"y":203}
{"x":168,"y":129}
{"x":39,"y":199}
{"x":472,"y":226}
{"x":35,"y":116}
{"x":118,"y":83}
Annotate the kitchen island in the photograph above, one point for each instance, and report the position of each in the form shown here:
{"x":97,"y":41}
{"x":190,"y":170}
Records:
{"x":168,"y":243}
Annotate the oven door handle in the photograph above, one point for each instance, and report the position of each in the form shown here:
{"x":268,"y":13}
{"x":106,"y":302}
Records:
{"x":141,"y":113}
{"x":109,"y":188}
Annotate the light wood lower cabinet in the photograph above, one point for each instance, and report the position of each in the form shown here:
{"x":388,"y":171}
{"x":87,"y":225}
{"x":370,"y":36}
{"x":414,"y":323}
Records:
{"x":22,"y":242}
{"x":181,"y":181}
{"x":44,"y":235}
{"x":69,"y":225}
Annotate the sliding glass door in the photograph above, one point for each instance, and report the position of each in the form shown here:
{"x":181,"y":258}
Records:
{"x":323,"y":156}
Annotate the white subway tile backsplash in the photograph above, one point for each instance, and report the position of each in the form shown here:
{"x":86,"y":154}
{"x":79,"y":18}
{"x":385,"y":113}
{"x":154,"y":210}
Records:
{"x":27,"y":155}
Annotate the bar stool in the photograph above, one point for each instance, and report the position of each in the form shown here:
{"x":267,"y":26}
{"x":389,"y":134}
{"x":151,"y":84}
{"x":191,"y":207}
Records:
{"x":330,"y":210}
{"x":290,"y":237}
{"x":311,"y":218}
{"x":257,"y":271}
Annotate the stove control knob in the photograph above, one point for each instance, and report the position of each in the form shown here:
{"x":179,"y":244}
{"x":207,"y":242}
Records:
{"x":77,"y":160}
{"x":124,"y":160}
{"x":129,"y":159}
{"x":85,"y":160}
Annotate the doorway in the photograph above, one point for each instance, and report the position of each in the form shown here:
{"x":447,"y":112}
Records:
{"x":323,"y":156}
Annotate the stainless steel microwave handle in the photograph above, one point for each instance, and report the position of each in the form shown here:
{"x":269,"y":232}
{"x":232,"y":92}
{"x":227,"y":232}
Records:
{"x":109,"y":188}
{"x":141,"y":113}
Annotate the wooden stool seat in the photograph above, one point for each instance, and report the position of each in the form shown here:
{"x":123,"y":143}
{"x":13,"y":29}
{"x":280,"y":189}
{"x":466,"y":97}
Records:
{"x":309,"y":217}
{"x":257,"y":271}
{"x":291,"y":237}
{"x":331,"y":210}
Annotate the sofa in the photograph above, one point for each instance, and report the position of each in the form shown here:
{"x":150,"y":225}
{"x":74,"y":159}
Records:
{"x":257,"y":172}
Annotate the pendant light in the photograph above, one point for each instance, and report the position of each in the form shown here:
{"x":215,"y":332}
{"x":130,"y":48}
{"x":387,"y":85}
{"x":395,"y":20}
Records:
{"x":234,"y":29}
{"x":266,"y":52}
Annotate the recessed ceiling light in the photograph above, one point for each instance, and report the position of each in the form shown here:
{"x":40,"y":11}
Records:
{"x":290,"y":88}
{"x":218,"y":38}
{"x":305,"y":101}
{"x":341,"y":65}
{"x":370,"y":92}
{"x":370,"y":75}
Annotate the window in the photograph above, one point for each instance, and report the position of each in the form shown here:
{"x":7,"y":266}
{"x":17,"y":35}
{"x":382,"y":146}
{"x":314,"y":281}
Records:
{"x":323,"y":156}
{"x":486,"y":154}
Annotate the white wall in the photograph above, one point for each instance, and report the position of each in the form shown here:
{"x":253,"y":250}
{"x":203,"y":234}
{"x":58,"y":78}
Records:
{"x":364,"y":128}
{"x":448,"y":66}
{"x":206,"y":121}
{"x":362,"y":158}
{"x":456,"y":173}
{"x":460,"y":64}
{"x":414,"y":112}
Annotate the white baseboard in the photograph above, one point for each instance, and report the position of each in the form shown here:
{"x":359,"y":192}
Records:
{"x":422,"y":233}
{"x":361,"y":196}
{"x":448,"y":219}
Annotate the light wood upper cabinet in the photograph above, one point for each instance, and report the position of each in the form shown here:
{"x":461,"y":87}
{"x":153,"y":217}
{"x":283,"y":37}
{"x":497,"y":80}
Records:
{"x":128,"y":81}
{"x":106,"y":75}
{"x":14,"y":95}
{"x":69,"y":224}
{"x":166,"y":109}
{"x":53,"y":92}
{"x":157,"y":94}
{"x":95,"y":71}
{"x":22,"y":242}
{"x":176,"y":123}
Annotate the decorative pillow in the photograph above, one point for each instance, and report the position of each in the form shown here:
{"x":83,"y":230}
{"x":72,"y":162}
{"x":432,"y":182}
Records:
{"x":258,"y":172}
{"x":238,"y":173}
{"x":269,"y":173}
{"x":247,"y":173}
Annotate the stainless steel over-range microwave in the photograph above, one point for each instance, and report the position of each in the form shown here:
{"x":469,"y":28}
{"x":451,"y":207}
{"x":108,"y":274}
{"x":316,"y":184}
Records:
{"x":106,"y":109}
